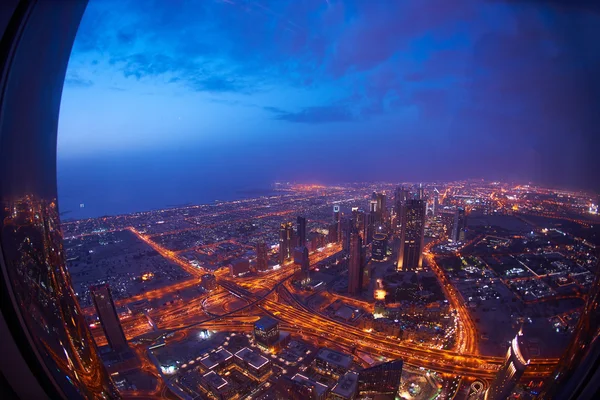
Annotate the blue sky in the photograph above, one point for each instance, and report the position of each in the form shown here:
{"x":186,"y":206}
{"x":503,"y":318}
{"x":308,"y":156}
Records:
{"x":330,"y":90}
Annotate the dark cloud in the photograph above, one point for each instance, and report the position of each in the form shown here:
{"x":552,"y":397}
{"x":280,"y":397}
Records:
{"x":314,"y":115}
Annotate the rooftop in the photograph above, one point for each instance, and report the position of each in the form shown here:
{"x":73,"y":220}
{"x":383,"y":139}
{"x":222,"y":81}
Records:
{"x":211,"y":360}
{"x":253,"y":359}
{"x":319,"y":387}
{"x":214,"y":380}
{"x":346,"y":385}
{"x":266,"y":323}
{"x":335,"y":358}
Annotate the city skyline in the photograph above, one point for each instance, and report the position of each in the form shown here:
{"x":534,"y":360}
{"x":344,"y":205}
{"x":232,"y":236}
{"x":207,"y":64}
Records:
{"x":495,"y":90}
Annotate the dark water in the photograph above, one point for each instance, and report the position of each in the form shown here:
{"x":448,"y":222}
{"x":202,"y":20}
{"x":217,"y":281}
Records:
{"x":124,"y":184}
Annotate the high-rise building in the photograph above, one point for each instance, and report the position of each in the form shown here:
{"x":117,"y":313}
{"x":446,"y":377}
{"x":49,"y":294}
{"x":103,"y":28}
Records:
{"x":410,"y":255}
{"x":436,"y":202}
{"x":109,"y":319}
{"x":373,"y":203}
{"x":337,"y":218}
{"x":459,"y":227}
{"x":382,"y":379}
{"x":286,"y":239}
{"x":355,"y":264}
{"x":301,"y":229}
{"x":371,"y":223}
{"x":379,"y":246}
{"x":420,"y":192}
{"x":266,"y":331}
{"x":513,"y":368}
{"x":400,"y":197}
{"x":361,"y":221}
{"x":348,"y":227}
{"x":262,"y":258}
{"x":381,"y":208}
{"x":577,"y":373}
{"x":301,"y":258}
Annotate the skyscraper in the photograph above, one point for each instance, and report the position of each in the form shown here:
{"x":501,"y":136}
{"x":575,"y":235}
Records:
{"x":420,"y":192}
{"x":355,"y":264}
{"x":370,"y":228}
{"x":513,"y":368}
{"x":109,"y":319}
{"x":436,"y":202}
{"x":382,"y":379}
{"x":301,"y":258}
{"x":459,"y":227}
{"x":400,"y":197}
{"x":262,"y":260}
{"x":410,"y":256}
{"x":379,"y":246}
{"x":381,"y":208}
{"x":337,"y":218}
{"x":576,"y":376}
{"x":348,"y":227}
{"x":286,"y":237}
{"x":301,"y":229}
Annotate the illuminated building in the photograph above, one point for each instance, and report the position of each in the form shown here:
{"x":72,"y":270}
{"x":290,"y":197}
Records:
{"x":412,"y":233}
{"x":109,"y":319}
{"x":381,"y":208}
{"x":373,"y":203}
{"x":436,"y":202}
{"x":348,"y":227}
{"x":301,"y":230}
{"x":576,"y":376}
{"x":301,"y":258}
{"x":382,"y":379}
{"x":286,"y":239}
{"x":217,"y":359}
{"x":370,"y":222}
{"x":459,"y":226}
{"x":337,"y":219}
{"x":379,"y":247}
{"x":266,"y":332}
{"x":355,"y":265}
{"x":253,"y":363}
{"x":300,"y":387}
{"x":420,"y":192}
{"x":400,"y":197}
{"x":332,"y":236}
{"x":262,"y":259}
{"x":345,"y":388}
{"x":217,"y":385}
{"x":513,"y":368}
{"x":332,"y":363}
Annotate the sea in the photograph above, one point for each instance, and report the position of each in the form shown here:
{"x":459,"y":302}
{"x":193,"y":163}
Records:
{"x":96,"y":187}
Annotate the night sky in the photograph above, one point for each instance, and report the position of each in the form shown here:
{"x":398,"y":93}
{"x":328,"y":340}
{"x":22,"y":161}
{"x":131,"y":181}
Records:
{"x":336,"y":91}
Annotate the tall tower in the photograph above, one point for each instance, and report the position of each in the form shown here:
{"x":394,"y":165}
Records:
{"x":410,"y":256}
{"x":381,"y":208}
{"x":421,"y":192}
{"x":459,"y":227}
{"x":574,"y":376}
{"x":286,"y":237}
{"x":337,"y":218}
{"x":262,"y":260}
{"x":513,"y":368}
{"x":109,"y":319}
{"x":301,"y":229}
{"x":436,"y":202}
{"x":400,"y":198}
{"x":355,"y":264}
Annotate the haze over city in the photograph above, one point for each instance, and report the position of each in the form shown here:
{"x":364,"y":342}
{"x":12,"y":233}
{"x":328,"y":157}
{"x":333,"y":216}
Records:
{"x":200,"y":99}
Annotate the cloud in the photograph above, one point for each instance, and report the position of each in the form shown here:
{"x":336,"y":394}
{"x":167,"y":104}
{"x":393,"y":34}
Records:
{"x":314,"y":115}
